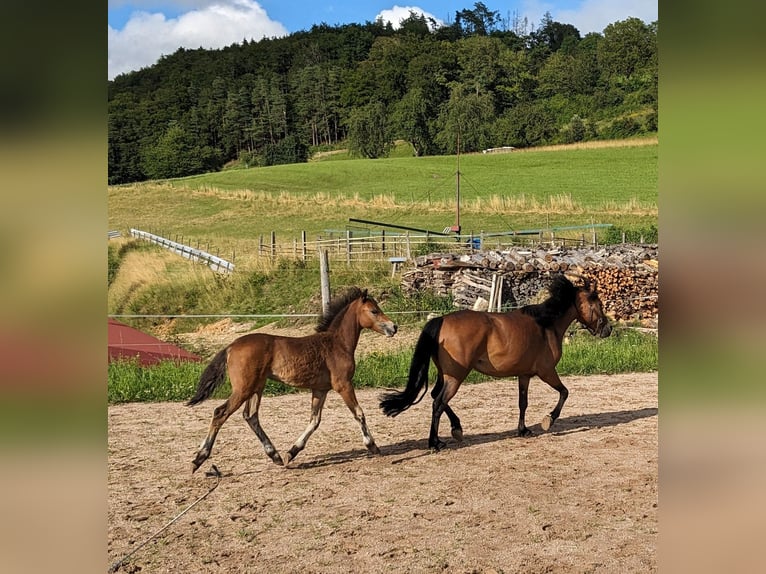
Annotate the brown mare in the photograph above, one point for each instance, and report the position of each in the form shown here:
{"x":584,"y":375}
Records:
{"x":524,"y":343}
{"x":320,"y":362}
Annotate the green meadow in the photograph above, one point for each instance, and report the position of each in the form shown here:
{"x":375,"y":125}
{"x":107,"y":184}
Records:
{"x":498,"y":192}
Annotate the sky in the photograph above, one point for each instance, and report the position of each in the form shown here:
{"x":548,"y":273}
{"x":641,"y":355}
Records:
{"x":141,"y":31}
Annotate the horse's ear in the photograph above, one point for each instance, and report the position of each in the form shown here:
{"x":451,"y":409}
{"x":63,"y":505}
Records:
{"x":364,"y":296}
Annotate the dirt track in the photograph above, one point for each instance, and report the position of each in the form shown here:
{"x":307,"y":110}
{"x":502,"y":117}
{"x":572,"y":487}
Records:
{"x":580,"y":498}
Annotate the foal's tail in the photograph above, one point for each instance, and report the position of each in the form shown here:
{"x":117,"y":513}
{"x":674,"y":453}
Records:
{"x":213,"y":375}
{"x":397,"y":402}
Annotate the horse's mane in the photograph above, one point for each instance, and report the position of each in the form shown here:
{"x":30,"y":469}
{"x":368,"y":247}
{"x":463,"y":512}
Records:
{"x":336,"y":306}
{"x":562,"y":296}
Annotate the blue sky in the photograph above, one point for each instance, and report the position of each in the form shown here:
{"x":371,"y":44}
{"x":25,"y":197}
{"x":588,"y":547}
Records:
{"x":140,"y":31}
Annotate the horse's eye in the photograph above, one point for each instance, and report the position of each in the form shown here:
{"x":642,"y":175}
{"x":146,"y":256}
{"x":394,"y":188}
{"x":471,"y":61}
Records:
{"x":374,"y":311}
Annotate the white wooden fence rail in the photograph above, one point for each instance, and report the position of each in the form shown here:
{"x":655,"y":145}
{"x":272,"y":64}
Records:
{"x":212,"y":261}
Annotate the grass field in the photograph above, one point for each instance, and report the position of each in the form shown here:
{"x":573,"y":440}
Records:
{"x":498,"y":192}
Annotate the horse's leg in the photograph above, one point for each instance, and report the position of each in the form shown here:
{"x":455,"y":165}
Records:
{"x":317,"y":403}
{"x":523,"y":387}
{"x":252,"y":406}
{"x":220,"y":414}
{"x":457,"y":429}
{"x":349,"y":397}
{"x":554,"y":381}
{"x":447,"y":391}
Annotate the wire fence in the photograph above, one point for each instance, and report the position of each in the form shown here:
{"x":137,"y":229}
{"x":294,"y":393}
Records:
{"x":367,"y":246}
{"x":364,"y":245}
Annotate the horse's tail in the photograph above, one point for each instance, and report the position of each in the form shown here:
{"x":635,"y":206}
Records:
{"x":428,"y":343}
{"x":213,"y":375}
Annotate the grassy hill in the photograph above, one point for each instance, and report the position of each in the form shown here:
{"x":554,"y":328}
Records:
{"x":499,"y":192}
{"x":228,"y":211}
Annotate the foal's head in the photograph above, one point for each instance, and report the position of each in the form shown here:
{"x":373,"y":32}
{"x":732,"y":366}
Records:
{"x":590,"y":311}
{"x":368,"y":314}
{"x":372,"y":317}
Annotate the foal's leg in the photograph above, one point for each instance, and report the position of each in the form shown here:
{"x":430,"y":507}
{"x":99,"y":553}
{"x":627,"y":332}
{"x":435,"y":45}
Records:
{"x":349,"y":397}
{"x":317,"y":402}
{"x":252,"y":419}
{"x":447,"y":391}
{"x":220,"y":415}
{"x":554,"y":381}
{"x":457,"y":429}
{"x":523,"y":387}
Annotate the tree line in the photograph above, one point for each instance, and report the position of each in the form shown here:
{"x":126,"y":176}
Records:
{"x":483,"y":81}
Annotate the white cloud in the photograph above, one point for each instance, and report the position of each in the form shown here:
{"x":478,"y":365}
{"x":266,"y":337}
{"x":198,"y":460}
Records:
{"x":592,"y":15}
{"x":146,"y":36}
{"x":398,"y":13}
{"x":595,"y":15}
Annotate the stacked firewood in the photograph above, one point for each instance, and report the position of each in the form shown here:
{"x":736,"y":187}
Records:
{"x":626,"y":276}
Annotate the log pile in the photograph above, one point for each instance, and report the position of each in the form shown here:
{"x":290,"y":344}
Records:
{"x":626,"y":276}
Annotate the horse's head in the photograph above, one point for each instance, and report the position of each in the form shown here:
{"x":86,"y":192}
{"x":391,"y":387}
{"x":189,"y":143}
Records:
{"x":372,"y":317}
{"x":590,"y":311}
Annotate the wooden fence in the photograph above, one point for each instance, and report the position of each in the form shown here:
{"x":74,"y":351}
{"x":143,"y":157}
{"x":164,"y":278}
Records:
{"x":364,"y":246}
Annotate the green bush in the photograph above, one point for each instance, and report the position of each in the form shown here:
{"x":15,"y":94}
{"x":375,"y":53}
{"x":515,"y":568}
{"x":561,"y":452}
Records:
{"x":621,"y":128}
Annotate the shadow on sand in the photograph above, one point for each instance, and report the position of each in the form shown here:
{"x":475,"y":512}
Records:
{"x":416,"y":448}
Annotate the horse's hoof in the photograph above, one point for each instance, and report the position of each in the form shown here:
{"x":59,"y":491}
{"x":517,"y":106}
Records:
{"x":525,"y":432}
{"x":197,"y":462}
{"x":457,"y":434}
{"x":437,"y":446}
{"x":546,"y":422}
{"x":277,"y":459}
{"x":373,"y":449}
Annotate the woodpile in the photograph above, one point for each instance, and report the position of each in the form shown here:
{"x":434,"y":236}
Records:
{"x":626,"y":276}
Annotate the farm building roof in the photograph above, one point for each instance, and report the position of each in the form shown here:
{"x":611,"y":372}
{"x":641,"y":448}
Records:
{"x":125,"y":342}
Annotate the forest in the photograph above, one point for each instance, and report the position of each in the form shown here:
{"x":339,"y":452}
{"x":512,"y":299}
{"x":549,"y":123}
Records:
{"x":480,"y":82}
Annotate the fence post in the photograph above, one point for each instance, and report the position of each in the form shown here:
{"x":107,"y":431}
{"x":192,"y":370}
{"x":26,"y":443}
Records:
{"x":407,"y":242}
{"x":273,"y":245}
{"x":324,"y":279}
{"x":303,"y":241}
{"x":492,"y":291}
{"x":260,"y":245}
{"x":348,"y":247}
{"x":383,"y":241}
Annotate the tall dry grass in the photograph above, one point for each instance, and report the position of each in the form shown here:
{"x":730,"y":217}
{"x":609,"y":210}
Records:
{"x":500,"y":204}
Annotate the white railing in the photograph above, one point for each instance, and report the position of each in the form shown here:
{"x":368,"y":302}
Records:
{"x":212,"y":261}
